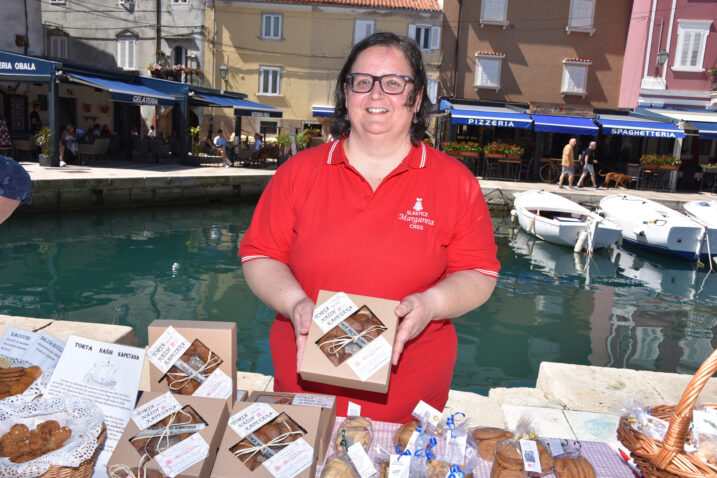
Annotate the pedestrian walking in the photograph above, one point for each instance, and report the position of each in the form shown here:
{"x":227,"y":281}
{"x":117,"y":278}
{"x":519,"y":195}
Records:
{"x":568,"y":163}
{"x":588,"y":159}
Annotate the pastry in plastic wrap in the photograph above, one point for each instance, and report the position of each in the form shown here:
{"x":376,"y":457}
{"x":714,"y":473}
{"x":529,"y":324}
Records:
{"x":577,"y":467}
{"x":403,"y":434}
{"x":252,"y":449}
{"x":160,"y":436}
{"x":354,"y":430}
{"x":508,"y":457}
{"x":200,"y":360}
{"x":487,"y":438}
{"x":441,"y":469}
{"x":338,"y":344}
{"x":338,"y":467}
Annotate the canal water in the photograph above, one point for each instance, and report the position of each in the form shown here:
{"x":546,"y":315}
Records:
{"x":129,"y":267}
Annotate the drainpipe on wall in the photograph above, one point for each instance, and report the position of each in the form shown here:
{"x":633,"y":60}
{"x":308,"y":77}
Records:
{"x":27,"y":30}
{"x":158,"y":37}
{"x":458,"y":36}
{"x":648,"y":62}
{"x":214,"y":48}
{"x":669,"y":39}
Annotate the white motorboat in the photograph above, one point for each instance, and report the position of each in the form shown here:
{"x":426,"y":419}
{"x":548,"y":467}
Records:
{"x":654,"y":226}
{"x":705,"y":212}
{"x":559,"y":220}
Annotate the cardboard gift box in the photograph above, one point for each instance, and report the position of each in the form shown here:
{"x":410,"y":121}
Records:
{"x":253,"y":427}
{"x":135,"y":441}
{"x":335,"y":357}
{"x":326,"y":403}
{"x":212,"y":344}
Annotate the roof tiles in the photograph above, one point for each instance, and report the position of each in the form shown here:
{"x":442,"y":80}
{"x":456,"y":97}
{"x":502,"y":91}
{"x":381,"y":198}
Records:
{"x":423,"y":5}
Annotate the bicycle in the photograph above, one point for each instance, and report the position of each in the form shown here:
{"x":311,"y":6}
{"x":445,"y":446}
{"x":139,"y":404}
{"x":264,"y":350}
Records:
{"x":552,"y":167}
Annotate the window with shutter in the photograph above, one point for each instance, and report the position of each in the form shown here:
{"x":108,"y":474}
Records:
{"x":269,"y":80}
{"x":58,"y":46}
{"x":362,"y":29}
{"x":494,"y":12}
{"x":126,"y":52}
{"x":428,"y":37}
{"x":487,"y":74}
{"x":691,"y":41}
{"x":582,"y":16}
{"x":271,"y":26}
{"x":575,"y":76}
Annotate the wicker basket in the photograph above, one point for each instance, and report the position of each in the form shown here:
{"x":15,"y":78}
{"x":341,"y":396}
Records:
{"x":668,"y":459}
{"x":86,"y":468}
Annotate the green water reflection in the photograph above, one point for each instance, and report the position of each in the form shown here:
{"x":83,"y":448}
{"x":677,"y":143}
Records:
{"x":129,"y":267}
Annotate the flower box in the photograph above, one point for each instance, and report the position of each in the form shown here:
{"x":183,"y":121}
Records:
{"x":668,"y":166}
{"x":494,"y":155}
{"x":470,"y":154}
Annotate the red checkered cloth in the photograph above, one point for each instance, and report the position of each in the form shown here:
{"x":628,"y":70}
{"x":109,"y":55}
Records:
{"x":604,"y":459}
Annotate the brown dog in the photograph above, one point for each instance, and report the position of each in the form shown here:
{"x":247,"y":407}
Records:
{"x":619,"y":179}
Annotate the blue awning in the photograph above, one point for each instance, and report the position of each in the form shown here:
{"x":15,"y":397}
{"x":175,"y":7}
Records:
{"x":640,"y":128}
{"x":14,"y":67}
{"x":707,"y":130}
{"x":564,"y":124}
{"x":242,"y":107}
{"x":481,"y":115}
{"x":125,"y":92}
{"x":322,"y":111}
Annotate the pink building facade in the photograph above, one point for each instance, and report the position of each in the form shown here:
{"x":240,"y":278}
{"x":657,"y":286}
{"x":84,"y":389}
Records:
{"x":686,"y":31}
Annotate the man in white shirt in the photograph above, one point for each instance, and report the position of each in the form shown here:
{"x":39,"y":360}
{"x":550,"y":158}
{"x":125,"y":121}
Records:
{"x":221,"y":144}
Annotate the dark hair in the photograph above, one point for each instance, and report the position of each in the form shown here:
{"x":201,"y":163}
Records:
{"x":219,"y":131}
{"x":341,"y":126}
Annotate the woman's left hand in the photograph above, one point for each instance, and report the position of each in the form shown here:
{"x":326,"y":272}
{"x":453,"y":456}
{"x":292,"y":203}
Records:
{"x":416,"y":312}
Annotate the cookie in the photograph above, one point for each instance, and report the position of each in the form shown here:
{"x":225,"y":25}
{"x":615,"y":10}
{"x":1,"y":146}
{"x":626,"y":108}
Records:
{"x":490,"y":433}
{"x":338,"y":468}
{"x":486,"y":449}
{"x":403,"y":435}
{"x":546,"y":458}
{"x":356,"y":430}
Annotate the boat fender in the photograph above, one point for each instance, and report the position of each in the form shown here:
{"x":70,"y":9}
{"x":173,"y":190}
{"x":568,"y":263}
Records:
{"x":531,"y":226}
{"x":513,"y":215}
{"x":580,"y":243}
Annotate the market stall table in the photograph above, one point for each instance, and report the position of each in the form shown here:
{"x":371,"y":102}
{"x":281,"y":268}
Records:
{"x":604,"y":459}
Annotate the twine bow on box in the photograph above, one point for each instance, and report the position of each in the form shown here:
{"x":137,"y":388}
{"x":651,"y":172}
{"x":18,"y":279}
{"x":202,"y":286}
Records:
{"x":334,"y":345}
{"x":180,"y":379}
{"x":276,"y":442}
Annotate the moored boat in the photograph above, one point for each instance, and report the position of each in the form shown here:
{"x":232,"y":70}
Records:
{"x":559,"y":220}
{"x":654,"y":226}
{"x":705,"y":212}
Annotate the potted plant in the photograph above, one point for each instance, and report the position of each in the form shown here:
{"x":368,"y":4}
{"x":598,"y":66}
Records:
{"x":451,"y":147}
{"x":513,"y":151}
{"x":43,"y":139}
{"x":284,"y":142}
{"x":469,"y":148}
{"x":177,"y":72}
{"x":712,"y":72}
{"x":660,"y":161}
{"x":194,"y":135}
{"x":302,"y":139}
{"x":494,"y":150}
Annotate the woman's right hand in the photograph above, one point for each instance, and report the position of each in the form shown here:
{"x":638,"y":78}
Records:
{"x":301,"y":315}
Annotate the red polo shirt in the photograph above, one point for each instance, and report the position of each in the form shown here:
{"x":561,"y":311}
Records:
{"x":426,"y":219}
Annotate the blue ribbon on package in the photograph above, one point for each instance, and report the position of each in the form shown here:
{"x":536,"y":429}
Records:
{"x":400,"y":452}
{"x":451,"y":423}
{"x":456,"y":472}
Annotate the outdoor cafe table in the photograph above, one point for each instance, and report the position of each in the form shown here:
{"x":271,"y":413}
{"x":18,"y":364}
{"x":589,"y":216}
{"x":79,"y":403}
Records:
{"x":604,"y":459}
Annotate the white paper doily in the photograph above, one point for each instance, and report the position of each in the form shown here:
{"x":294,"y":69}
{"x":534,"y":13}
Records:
{"x":82,"y":416}
{"x":37,"y":387}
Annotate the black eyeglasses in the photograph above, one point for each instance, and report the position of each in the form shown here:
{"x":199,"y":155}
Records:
{"x":390,"y":84}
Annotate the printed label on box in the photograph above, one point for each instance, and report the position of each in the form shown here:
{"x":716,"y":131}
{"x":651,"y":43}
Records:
{"x":531,"y":457}
{"x":554,"y":445}
{"x":167,"y":349}
{"x":252,"y":417}
{"x":333,"y":311}
{"x":361,"y":461}
{"x":353,"y":410}
{"x":184,"y":454}
{"x":426,"y":413}
{"x":217,"y":385}
{"x":155,"y":410}
{"x":399,"y":468}
{"x":15,"y":342}
{"x":44,"y":351}
{"x":305,"y":400}
{"x":292,"y":460}
{"x":456,"y":447}
{"x":371,"y":358}
{"x":411,"y":445}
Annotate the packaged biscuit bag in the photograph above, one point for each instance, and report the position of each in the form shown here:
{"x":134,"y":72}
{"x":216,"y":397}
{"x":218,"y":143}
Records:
{"x":523,"y":455}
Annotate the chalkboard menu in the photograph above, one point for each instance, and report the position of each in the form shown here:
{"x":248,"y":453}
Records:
{"x":17,"y":122}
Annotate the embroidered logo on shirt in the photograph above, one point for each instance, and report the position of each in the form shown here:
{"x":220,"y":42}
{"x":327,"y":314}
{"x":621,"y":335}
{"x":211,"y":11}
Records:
{"x":416,"y":217}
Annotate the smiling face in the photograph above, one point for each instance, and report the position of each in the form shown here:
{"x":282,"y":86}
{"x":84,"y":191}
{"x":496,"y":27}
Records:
{"x":375,"y":113}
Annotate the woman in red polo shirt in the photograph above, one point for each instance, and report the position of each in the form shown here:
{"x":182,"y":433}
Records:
{"x":376,"y":213}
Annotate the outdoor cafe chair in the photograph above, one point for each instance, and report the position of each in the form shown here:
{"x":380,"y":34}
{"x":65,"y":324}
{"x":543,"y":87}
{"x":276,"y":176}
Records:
{"x":88,"y":152}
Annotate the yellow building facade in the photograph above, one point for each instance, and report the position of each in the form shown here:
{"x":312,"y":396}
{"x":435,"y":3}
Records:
{"x":287,"y":55}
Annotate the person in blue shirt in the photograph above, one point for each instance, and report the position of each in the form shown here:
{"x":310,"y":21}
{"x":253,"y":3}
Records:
{"x":221,"y":144}
{"x":14,"y":187}
{"x":257,"y":142}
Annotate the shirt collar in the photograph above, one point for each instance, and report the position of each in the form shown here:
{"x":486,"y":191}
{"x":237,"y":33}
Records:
{"x":417,"y":157}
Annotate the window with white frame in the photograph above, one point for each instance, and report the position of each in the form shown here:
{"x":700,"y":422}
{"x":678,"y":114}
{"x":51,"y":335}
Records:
{"x":57,"y":45}
{"x":57,"y":2}
{"x":269,"y":80}
{"x":271,"y":26}
{"x":180,"y":2}
{"x":691,"y":42}
{"x":582,"y":16}
{"x":428,"y":37}
{"x":363,"y":28}
{"x":432,"y":90}
{"x":494,"y":12}
{"x":488,"y":71}
{"x":126,"y":47}
{"x":575,"y":77}
{"x":126,"y":2}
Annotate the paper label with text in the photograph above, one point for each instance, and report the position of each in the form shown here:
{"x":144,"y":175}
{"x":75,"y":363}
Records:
{"x":370,"y":358}
{"x":184,"y":454}
{"x":306,"y":400}
{"x":155,"y":410}
{"x":361,"y":461}
{"x":353,"y":410}
{"x":456,"y":447}
{"x":333,"y":311}
{"x":167,"y":349}
{"x":217,"y":385}
{"x":398,"y":467}
{"x":427,"y":414}
{"x":15,"y":342}
{"x":531,"y":457}
{"x":292,"y":460}
{"x":44,"y":351}
{"x":251,"y":418}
